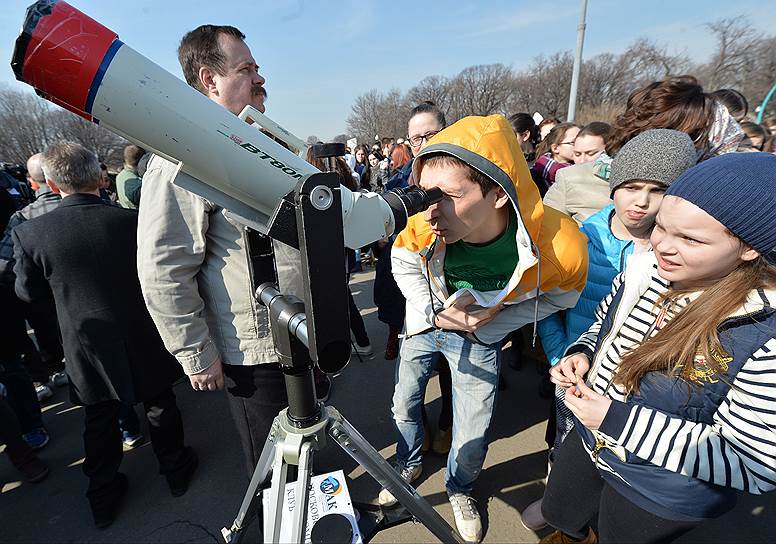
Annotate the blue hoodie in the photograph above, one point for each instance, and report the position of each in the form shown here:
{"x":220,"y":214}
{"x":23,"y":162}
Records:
{"x":606,"y":258}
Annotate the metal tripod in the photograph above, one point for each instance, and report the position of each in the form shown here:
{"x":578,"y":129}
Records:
{"x":306,"y":334}
{"x":290,"y":446}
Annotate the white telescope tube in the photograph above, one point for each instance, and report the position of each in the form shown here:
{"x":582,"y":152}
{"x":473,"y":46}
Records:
{"x":145,"y":103}
{"x":81,"y":65}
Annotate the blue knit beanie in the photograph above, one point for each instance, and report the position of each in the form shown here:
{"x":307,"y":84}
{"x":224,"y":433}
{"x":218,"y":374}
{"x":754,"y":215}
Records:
{"x":739,"y":191}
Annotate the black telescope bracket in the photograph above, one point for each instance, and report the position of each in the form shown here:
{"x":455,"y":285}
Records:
{"x":316,"y":330}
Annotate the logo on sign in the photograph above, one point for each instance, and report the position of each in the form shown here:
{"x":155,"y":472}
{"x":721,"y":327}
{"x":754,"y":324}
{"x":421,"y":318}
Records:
{"x":330,"y":486}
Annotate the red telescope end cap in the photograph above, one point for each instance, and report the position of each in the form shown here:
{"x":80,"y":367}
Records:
{"x":60,"y":52}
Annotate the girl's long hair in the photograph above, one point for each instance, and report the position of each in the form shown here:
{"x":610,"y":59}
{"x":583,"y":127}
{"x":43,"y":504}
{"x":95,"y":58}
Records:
{"x":695,"y":329}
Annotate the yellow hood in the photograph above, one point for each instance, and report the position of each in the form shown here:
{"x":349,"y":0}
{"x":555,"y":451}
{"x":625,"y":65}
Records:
{"x":544,"y":236}
{"x":489,"y":144}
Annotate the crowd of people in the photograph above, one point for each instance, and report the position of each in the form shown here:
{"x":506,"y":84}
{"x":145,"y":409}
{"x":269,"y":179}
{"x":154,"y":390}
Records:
{"x":639,"y":256}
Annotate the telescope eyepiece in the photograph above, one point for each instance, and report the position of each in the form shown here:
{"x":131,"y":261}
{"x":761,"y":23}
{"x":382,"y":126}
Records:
{"x":406,"y":202}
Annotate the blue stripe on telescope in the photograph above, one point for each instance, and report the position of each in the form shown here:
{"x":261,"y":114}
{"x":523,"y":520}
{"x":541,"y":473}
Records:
{"x":114,"y":47}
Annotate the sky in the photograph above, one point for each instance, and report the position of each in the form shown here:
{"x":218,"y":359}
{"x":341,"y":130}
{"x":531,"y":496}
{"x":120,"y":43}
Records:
{"x":318,"y":56}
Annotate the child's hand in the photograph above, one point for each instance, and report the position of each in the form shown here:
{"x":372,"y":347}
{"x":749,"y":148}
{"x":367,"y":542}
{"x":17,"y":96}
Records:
{"x":589,"y":407}
{"x":570,"y":370}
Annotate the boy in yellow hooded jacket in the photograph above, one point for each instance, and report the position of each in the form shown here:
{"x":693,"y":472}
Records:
{"x":481,"y":263}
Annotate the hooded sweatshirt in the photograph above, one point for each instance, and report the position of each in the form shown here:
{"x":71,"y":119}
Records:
{"x":551,"y":251}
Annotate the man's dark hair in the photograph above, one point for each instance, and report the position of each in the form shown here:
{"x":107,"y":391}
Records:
{"x":429,"y":107}
{"x":597,"y":128}
{"x":734,"y":101}
{"x":132,"y":155}
{"x":200,"y":47}
{"x":442,"y":160}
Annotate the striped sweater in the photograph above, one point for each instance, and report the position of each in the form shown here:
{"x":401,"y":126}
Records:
{"x":678,"y":448}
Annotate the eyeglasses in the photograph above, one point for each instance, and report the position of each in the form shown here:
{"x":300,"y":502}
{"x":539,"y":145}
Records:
{"x":415,"y":141}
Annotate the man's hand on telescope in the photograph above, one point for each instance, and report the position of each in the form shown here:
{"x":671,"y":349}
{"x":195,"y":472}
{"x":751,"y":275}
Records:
{"x":210,"y":379}
{"x":459,"y":317}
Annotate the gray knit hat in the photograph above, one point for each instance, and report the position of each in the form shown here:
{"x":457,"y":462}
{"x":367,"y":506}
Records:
{"x":658,"y":154}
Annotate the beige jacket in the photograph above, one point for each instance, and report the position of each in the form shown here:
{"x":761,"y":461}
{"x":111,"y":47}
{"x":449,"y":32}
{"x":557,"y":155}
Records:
{"x":193,"y":269}
{"x":578,"y":192}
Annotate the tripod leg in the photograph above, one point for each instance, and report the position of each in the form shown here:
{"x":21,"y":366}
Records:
{"x":276,"y":498}
{"x":248,"y":506}
{"x":350,"y":440}
{"x":301,"y":492}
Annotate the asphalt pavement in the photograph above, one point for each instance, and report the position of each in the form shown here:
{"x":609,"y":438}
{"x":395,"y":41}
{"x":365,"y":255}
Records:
{"x":56,"y":510}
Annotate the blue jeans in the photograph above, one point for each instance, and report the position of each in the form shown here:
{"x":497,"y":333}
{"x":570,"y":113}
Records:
{"x":474,"y":369}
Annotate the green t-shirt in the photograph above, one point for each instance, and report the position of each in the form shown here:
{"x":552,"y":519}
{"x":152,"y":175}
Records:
{"x":483,"y":267}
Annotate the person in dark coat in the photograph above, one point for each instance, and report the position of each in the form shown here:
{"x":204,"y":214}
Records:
{"x":83,"y":255}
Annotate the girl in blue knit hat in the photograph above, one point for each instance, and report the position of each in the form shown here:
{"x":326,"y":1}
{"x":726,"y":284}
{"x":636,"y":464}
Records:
{"x":673,"y":388}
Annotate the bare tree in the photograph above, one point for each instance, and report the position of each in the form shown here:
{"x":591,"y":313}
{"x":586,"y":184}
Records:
{"x":394,"y":112}
{"x":378,"y":114}
{"x":609,"y":79}
{"x":647,"y":61}
{"x":312,"y":140}
{"x":737,"y":43}
{"x":363,"y":120}
{"x":436,"y":89}
{"x":481,"y":90}
{"x":545,"y":85}
{"x":743,"y":59}
{"x":29,"y":124}
{"x":24,"y":130}
{"x":761,"y":75}
{"x":105,"y":144}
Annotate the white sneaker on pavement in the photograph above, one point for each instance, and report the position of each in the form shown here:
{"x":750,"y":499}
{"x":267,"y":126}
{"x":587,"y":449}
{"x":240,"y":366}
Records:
{"x":44,"y":392}
{"x":408,"y":474}
{"x":467,"y":518}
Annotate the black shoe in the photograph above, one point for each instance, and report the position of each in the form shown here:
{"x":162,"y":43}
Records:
{"x":179,"y":482}
{"x":106,"y":510}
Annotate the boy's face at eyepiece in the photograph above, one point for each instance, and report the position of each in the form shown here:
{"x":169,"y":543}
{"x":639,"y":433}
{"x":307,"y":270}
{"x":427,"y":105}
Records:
{"x":637,"y":202}
{"x":463,"y":213}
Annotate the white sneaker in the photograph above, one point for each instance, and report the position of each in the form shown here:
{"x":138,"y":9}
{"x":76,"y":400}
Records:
{"x":58,"y":379}
{"x":44,"y":392}
{"x":409,"y":475}
{"x":467,"y":518}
